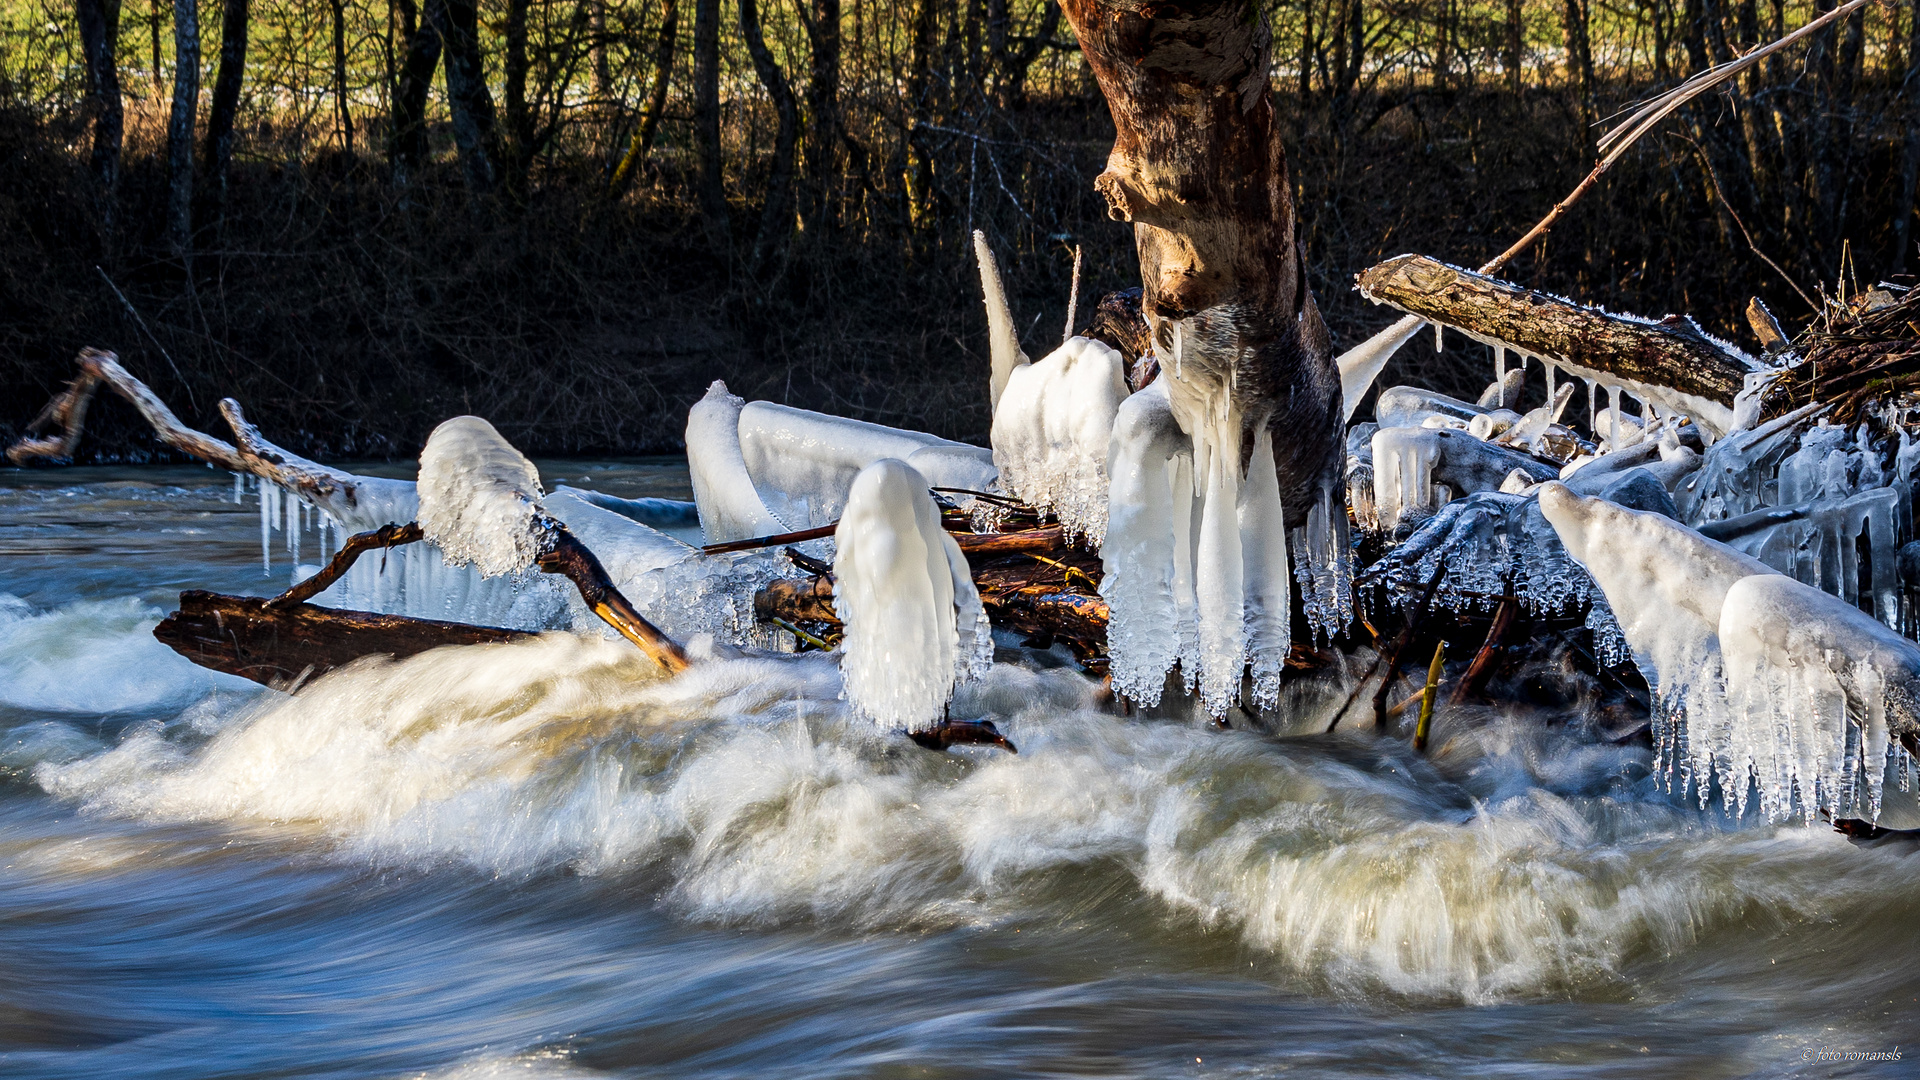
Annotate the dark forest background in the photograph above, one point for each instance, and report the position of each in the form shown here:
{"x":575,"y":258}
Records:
{"x":362,"y":216}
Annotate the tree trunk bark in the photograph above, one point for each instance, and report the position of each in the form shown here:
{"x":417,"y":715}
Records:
{"x":1515,"y":39}
{"x":1198,"y":169}
{"x":218,"y":153}
{"x":186,"y":102}
{"x":519,"y":150}
{"x":421,"y":41}
{"x":458,"y":24}
{"x":242,"y":635}
{"x":776,"y":216}
{"x":706,"y":119}
{"x":823,"y":113}
{"x":342,"y":107}
{"x":656,"y":101}
{"x":99,"y":40}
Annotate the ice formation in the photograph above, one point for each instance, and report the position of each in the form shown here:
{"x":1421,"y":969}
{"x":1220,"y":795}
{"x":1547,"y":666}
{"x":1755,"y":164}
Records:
{"x":760,"y":468}
{"x":730,"y":505}
{"x":914,"y":623}
{"x":1362,"y":364}
{"x":802,"y":464}
{"x":478,"y":497}
{"x":1195,"y":558}
{"x":1764,"y":683}
{"x":1051,"y":429}
{"x":1003,"y":341}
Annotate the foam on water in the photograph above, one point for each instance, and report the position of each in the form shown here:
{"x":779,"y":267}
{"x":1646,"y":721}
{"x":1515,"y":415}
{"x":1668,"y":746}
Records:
{"x":94,"y":656}
{"x":1523,"y":860}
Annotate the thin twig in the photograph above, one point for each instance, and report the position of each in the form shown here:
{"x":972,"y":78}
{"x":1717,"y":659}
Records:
{"x":133,"y":311}
{"x":1616,"y":142}
{"x":1073,"y":296}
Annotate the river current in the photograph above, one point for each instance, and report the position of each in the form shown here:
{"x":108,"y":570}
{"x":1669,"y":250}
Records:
{"x":543,"y":860}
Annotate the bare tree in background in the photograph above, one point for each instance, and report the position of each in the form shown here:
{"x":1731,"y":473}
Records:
{"x":99,"y":39}
{"x":706,"y":118}
{"x":180,"y":122}
{"x":776,"y":215}
{"x":226,"y":100}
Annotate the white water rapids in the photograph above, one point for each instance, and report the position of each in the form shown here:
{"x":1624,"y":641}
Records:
{"x":545,"y":860}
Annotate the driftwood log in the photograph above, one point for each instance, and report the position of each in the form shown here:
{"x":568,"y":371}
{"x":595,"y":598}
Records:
{"x":281,"y":646}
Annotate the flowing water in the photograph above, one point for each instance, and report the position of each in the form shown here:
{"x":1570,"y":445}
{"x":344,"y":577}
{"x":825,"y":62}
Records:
{"x":542,"y":860}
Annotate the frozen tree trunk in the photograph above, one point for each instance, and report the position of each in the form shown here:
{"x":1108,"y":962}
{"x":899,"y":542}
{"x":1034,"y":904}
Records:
{"x":186,"y":101}
{"x":1198,"y":169}
{"x":99,"y":39}
{"x":226,"y":99}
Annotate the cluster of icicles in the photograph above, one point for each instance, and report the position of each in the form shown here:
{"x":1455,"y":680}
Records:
{"x":1751,"y":570}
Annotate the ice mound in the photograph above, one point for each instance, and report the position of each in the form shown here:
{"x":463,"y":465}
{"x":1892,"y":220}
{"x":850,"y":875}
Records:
{"x":478,"y":497}
{"x":914,"y":624}
{"x":802,"y":464}
{"x":1051,"y":428}
{"x":1763,"y":681}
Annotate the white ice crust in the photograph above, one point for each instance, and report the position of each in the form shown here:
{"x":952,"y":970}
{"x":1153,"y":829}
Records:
{"x":730,"y":505}
{"x":478,"y":496}
{"x":1764,"y":683}
{"x":802,"y":464}
{"x":1051,"y":429}
{"x":914,"y":623}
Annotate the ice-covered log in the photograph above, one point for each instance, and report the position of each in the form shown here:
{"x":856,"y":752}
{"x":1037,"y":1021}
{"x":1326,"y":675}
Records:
{"x":1671,"y":361}
{"x":914,"y":624}
{"x":1816,"y":691}
{"x":802,"y":463}
{"x":1051,"y":428}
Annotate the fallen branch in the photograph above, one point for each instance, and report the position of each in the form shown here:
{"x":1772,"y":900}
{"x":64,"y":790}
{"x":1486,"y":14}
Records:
{"x":1671,"y":361}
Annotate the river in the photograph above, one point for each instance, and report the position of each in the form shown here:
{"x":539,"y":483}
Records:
{"x":541,"y":860}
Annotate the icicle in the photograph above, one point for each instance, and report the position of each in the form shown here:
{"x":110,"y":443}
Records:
{"x":1500,"y":367}
{"x":1179,"y":343}
{"x":1552,"y":377}
{"x":1592,"y":412}
{"x":1439,"y":338}
{"x":1613,"y":402}
{"x":239,"y":488}
{"x":266,"y":529}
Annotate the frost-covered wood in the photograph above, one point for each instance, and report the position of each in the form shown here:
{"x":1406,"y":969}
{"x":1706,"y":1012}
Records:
{"x":1671,"y":362}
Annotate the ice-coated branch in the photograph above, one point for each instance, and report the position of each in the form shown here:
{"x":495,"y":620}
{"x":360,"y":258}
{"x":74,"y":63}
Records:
{"x":1671,"y":362}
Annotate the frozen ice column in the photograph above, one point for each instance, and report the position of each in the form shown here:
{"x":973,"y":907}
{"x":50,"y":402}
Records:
{"x":914,"y":624}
